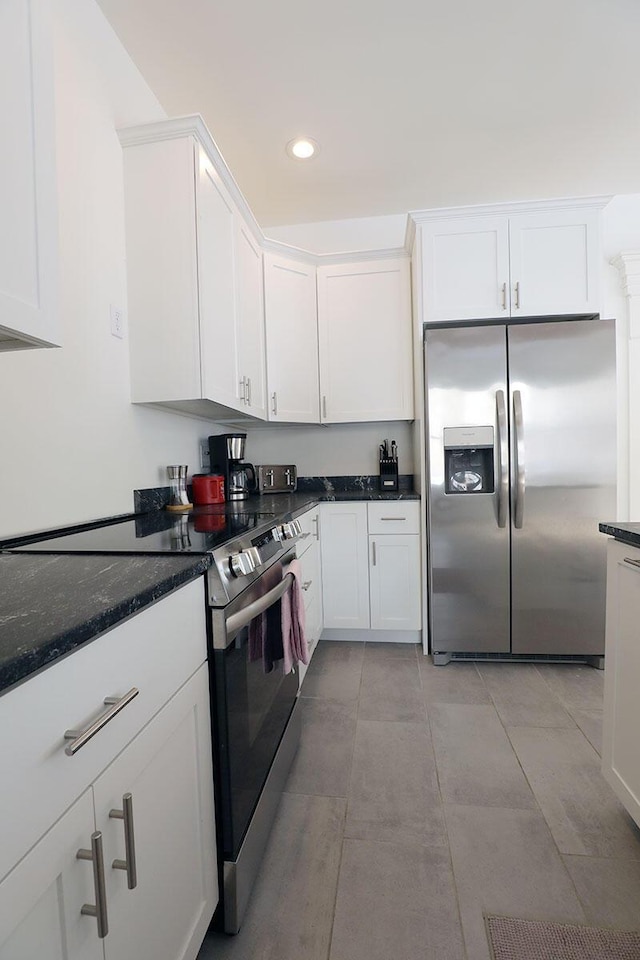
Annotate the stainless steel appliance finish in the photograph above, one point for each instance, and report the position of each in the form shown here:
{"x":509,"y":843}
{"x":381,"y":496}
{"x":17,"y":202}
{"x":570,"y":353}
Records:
{"x":516,"y":566}
{"x":276,"y":478}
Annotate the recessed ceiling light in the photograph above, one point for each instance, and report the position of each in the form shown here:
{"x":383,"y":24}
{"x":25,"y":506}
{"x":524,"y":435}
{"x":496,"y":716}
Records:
{"x":302,"y":148}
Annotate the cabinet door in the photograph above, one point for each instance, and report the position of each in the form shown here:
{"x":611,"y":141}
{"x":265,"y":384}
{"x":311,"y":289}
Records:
{"x":554,"y":263}
{"x":394,"y":583}
{"x":465,"y":268}
{"x":167,"y":769}
{"x":292,"y":340}
{"x":250,"y":317}
{"x":345,"y":573}
{"x":41,"y":899}
{"x":620,"y":756}
{"x":216,"y":288}
{"x":28,"y":225}
{"x":364,"y":332}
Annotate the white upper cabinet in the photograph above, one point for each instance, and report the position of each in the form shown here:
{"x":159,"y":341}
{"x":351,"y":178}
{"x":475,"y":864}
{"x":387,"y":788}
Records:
{"x":292,"y":339}
{"x":250,"y":314}
{"x":555,"y":262}
{"x":466,"y":268}
{"x":506,"y":261}
{"x":364,"y":331}
{"x":29,"y":223}
{"x":194,"y":269}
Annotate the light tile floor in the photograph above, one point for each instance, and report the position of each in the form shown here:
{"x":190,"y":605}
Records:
{"x":423,"y":797}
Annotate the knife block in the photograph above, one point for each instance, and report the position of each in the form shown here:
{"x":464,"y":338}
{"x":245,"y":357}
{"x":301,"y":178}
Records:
{"x":388,"y":474}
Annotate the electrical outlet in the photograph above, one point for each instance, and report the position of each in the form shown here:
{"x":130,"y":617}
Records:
{"x":205,"y":462}
{"x":117,"y":322}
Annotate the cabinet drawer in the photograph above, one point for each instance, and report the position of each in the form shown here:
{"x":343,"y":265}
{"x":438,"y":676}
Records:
{"x":394,"y":516}
{"x":155,"y":651}
{"x":310,"y":570}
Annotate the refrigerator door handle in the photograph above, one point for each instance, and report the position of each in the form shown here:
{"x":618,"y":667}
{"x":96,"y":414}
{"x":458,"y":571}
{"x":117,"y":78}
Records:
{"x":518,"y":449}
{"x":503,"y":459}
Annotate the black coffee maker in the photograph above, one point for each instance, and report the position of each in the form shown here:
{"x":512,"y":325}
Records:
{"x":226,"y":456}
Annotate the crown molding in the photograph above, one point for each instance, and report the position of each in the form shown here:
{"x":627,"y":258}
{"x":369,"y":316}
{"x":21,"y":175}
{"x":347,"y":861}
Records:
{"x":506,"y":209}
{"x":193,"y":126}
{"x":281,"y":249}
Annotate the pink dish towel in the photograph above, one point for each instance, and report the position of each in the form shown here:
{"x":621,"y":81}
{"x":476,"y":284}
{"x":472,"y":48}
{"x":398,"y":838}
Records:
{"x":294,"y":642}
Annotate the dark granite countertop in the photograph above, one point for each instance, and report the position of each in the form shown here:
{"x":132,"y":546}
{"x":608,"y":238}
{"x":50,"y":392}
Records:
{"x":626,"y":532}
{"x":50,"y":605}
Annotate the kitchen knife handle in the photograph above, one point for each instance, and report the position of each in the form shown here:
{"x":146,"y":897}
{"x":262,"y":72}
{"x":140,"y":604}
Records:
{"x":503,"y":459}
{"x":518,"y":454}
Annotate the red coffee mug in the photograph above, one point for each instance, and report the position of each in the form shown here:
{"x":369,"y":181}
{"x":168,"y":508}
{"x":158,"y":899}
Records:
{"x":208,"y":488}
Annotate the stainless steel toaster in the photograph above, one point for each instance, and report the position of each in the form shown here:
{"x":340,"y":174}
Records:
{"x":276,"y":478}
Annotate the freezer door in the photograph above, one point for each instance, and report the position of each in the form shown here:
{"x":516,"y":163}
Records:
{"x":563,"y":476}
{"x":468,"y":527}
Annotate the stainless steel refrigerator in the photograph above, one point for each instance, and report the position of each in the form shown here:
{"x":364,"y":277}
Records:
{"x":521,"y":466}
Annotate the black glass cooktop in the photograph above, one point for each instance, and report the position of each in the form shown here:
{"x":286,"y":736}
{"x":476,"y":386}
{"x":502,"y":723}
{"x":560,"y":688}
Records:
{"x":198,"y":531}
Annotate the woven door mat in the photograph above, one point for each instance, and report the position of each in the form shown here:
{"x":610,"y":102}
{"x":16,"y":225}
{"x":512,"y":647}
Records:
{"x":512,"y":939}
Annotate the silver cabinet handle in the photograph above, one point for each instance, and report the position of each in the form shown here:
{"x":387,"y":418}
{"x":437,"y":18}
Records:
{"x":80,"y":737}
{"x":243,"y":390}
{"x":129,"y":864}
{"x":634,"y":563}
{"x":518,"y":445}
{"x":274,"y":403}
{"x":305,"y":586}
{"x":503,"y":458}
{"x":317,"y":533}
{"x":393,"y":518}
{"x":99,"y":908}
{"x":324,"y":407}
{"x":504,"y":295}
{"x":517,"y":304}
{"x":249,"y":391}
{"x":373,"y":553}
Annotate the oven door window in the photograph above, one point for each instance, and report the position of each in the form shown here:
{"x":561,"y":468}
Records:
{"x":252,"y":711}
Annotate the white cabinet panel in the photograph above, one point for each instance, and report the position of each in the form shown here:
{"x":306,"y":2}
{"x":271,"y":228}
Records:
{"x":41,"y":899}
{"x":364,"y":327}
{"x":250,"y":312}
{"x":394,"y":582}
{"x":465,"y":268}
{"x":216,"y":287}
{"x":554,"y":262}
{"x":292,"y":340}
{"x":167,"y":770}
{"x":394,"y":516}
{"x":28,"y":224}
{"x":345,"y":573}
{"x":620,"y":756}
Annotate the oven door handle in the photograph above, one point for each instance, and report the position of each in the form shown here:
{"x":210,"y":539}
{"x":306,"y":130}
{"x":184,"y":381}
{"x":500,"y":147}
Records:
{"x":243,"y":617}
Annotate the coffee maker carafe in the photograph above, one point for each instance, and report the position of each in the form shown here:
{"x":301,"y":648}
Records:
{"x":226,"y":455}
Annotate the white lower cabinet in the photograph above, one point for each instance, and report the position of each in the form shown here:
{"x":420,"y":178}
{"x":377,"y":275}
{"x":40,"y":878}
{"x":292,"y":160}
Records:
{"x":620,"y":756}
{"x":40,"y":900}
{"x":371,"y":566}
{"x":309,"y":556}
{"x":164,"y":766}
{"x":345,"y":568}
{"x":394,"y":582}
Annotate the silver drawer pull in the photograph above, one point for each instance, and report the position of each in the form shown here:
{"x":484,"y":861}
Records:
{"x":80,"y":737}
{"x":306,"y":584}
{"x":99,"y":908}
{"x":393,"y":518}
{"x":126,"y":814}
{"x":634,"y":563}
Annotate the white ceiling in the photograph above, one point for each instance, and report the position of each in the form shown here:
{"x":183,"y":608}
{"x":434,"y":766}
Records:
{"x":416,"y":103}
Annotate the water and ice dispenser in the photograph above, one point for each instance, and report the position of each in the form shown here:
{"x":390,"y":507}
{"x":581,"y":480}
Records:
{"x":468,"y":460}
